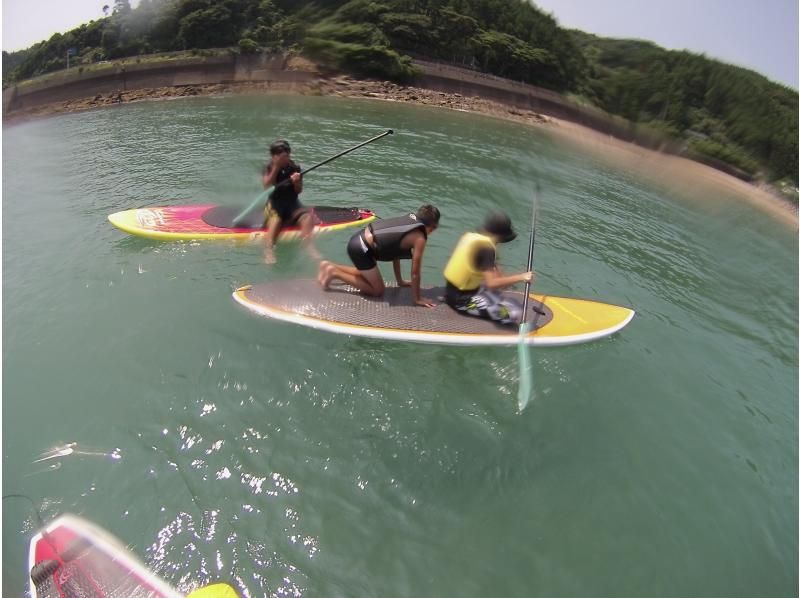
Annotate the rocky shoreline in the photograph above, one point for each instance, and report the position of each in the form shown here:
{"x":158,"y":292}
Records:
{"x":342,"y":86}
{"x":345,"y":86}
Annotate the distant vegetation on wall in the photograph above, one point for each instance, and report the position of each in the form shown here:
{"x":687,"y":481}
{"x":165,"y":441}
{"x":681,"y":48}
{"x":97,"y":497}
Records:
{"x":722,"y":111}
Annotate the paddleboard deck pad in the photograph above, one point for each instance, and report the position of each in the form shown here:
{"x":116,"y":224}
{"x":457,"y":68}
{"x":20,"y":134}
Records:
{"x":73,"y":558}
{"x":201,"y":222}
{"x":342,"y":309}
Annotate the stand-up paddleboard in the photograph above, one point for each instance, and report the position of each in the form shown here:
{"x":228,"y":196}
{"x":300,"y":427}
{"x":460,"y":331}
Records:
{"x":553,"y":320}
{"x":185,"y":223}
{"x":72,"y":558}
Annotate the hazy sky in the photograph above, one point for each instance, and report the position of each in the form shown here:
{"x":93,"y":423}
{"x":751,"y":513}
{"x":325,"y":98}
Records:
{"x":26,"y":22}
{"x":757,"y":34}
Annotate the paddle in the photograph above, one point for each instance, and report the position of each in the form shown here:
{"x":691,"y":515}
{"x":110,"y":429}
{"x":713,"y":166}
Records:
{"x":261,"y":198}
{"x":525,"y":369}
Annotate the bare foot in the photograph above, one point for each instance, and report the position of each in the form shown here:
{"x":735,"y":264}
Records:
{"x":321,"y":272}
{"x":327,"y":275}
{"x":269,"y":257}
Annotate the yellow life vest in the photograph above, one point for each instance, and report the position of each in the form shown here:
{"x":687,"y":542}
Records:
{"x":460,"y":270}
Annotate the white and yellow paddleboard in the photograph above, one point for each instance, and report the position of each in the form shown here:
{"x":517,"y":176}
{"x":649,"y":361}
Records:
{"x":341,"y":309}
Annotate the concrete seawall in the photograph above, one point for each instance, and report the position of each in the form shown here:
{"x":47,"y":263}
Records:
{"x":130,"y":75}
{"x":452,"y":79}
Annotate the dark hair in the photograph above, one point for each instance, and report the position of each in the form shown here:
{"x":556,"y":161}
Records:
{"x":278,"y":146}
{"x":499,"y":225}
{"x":429,"y":215}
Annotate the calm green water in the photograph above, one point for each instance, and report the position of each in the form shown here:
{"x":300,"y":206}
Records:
{"x":659,"y":462}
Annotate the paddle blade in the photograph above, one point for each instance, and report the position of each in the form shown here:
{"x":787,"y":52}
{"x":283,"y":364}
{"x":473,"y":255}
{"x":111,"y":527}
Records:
{"x":525,"y":369}
{"x":261,"y":199}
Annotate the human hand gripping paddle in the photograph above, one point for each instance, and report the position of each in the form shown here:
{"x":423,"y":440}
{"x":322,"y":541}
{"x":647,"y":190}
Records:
{"x":262,"y":198}
{"x":525,"y":370}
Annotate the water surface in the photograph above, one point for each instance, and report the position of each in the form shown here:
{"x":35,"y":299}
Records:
{"x":659,"y":462}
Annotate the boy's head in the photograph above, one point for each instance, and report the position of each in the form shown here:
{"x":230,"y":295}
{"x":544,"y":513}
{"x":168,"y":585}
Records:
{"x":498,"y":225}
{"x":279,"y":146}
{"x":429,"y":216}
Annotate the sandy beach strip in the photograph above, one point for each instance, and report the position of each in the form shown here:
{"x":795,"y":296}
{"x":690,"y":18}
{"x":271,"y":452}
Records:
{"x":680,"y":173}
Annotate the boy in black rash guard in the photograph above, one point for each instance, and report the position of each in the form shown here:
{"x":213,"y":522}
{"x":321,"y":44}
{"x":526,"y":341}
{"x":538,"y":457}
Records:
{"x":388,"y":240}
{"x":284,"y":207}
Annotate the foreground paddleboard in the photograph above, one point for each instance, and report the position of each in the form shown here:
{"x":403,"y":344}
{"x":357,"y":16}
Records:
{"x":553,"y":320}
{"x":204,"y":222}
{"x":71,"y":558}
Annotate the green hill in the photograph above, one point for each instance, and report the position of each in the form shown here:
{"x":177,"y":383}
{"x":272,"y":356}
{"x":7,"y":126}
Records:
{"x":726,"y":112}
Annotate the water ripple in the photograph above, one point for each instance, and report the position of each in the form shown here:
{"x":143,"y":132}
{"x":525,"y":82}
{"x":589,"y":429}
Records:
{"x":288,"y":461}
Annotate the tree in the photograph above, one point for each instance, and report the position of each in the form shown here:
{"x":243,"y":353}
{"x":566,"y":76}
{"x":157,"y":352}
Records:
{"x":248,"y":46}
{"x":454,"y":32}
{"x":207,"y":28}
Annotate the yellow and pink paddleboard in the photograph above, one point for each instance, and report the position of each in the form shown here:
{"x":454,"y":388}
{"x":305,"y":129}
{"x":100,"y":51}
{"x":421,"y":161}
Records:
{"x":208,"y":222}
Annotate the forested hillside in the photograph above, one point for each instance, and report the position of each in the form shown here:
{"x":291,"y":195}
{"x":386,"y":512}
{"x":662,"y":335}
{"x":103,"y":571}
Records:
{"x":725,"y":112}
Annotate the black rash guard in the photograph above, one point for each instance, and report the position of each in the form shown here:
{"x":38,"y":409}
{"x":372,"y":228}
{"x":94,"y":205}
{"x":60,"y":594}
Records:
{"x":284,"y":199}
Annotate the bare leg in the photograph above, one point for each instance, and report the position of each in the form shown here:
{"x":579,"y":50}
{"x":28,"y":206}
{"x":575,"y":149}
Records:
{"x":306,"y":229}
{"x":326,"y":270}
{"x":273,"y":228}
{"x":353,"y":271}
{"x":369,"y":282}
{"x":321,"y":273}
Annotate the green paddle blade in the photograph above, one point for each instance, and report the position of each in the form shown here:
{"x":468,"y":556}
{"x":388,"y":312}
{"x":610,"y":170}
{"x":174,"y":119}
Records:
{"x":261,"y":199}
{"x":525,"y":369}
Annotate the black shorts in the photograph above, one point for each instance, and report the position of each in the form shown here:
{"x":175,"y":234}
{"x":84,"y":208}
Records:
{"x":456,"y":298}
{"x":360,"y":253}
{"x":288,"y":212}
{"x":484,"y":303}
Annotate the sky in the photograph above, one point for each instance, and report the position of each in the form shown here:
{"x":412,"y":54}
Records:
{"x":761,"y":35}
{"x":26,"y":22}
{"x":758,"y":34}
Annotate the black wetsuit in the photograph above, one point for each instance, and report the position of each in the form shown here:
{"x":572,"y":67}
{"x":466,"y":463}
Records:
{"x":387,"y":236}
{"x":284,"y":200}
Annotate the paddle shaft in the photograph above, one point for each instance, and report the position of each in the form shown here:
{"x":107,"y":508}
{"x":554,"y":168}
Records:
{"x":530,"y":258}
{"x":261,"y":196}
{"x":347,"y":151}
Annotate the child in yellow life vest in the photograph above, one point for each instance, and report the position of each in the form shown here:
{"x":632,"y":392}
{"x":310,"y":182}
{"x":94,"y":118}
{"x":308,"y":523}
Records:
{"x":473,"y":279}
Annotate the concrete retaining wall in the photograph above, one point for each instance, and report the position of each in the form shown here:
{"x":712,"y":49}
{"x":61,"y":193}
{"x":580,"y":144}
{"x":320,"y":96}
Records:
{"x":74,"y":84}
{"x":452,"y":79}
